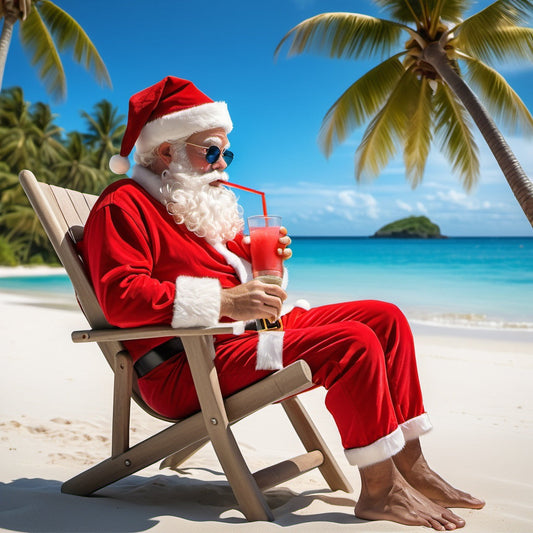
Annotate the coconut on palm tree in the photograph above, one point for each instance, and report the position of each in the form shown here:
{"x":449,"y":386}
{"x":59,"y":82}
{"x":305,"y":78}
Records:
{"x":46,"y":30}
{"x":420,"y":93}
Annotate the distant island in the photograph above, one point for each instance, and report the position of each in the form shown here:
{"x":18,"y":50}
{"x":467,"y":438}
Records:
{"x":410,"y":228}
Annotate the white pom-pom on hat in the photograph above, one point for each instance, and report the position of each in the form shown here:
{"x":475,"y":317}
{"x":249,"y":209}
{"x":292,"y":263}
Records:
{"x":119,"y":164}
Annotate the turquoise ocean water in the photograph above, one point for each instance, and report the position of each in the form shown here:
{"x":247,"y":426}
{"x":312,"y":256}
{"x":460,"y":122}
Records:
{"x":476,"y":282}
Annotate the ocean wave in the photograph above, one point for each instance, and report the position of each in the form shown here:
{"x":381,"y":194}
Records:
{"x":470,"y":320}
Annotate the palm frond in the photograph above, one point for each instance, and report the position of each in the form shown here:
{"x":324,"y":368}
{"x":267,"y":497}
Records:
{"x":346,"y":35}
{"x":18,"y":146}
{"x":360,"y":101}
{"x":448,"y":10}
{"x":419,"y":133}
{"x":454,"y":130}
{"x":8,"y":183}
{"x":70,"y":35}
{"x":20,"y":220}
{"x":36,"y":37}
{"x":387,"y":129}
{"x":498,"y":43}
{"x":498,"y":96}
{"x":499,"y":13}
{"x":14,"y":110}
{"x":415,"y":11}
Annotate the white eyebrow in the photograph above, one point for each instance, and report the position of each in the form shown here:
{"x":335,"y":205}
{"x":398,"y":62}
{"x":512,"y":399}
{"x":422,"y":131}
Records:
{"x":215,"y":141}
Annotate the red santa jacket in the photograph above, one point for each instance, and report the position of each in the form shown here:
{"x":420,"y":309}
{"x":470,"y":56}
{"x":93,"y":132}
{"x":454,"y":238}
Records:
{"x":148,"y":270}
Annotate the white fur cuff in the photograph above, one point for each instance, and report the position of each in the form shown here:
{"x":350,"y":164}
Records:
{"x":270,"y":350}
{"x":197,"y":302}
{"x":412,"y":429}
{"x":378,"y":451}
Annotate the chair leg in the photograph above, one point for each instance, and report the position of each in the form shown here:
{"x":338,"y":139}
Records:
{"x":312,"y":440}
{"x":175,"y":460}
{"x":200,"y":355}
{"x":121,"y":403}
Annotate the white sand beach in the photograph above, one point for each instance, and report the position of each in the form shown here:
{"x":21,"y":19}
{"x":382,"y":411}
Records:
{"x":55,"y":405}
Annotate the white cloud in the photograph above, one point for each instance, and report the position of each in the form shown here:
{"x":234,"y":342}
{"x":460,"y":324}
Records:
{"x":347,"y":198}
{"x":405,"y":206}
{"x":464,"y":201}
{"x":453,"y":197}
{"x":368,"y":202}
{"x":421,"y":207}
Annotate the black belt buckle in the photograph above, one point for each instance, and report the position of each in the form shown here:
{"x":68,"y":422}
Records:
{"x":262,"y":324}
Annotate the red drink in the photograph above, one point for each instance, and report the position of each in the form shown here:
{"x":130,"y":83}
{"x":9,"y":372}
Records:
{"x":264,"y":243}
{"x":267,"y":265}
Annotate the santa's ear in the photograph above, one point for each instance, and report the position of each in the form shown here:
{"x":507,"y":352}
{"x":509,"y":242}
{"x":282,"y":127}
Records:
{"x":163,"y":151}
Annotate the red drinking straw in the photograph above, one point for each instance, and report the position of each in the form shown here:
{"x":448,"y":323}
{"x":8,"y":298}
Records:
{"x":242,"y":187}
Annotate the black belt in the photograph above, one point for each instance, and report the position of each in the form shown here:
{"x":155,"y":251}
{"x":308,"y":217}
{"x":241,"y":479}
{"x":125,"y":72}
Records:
{"x":157,"y":355}
{"x":150,"y":360}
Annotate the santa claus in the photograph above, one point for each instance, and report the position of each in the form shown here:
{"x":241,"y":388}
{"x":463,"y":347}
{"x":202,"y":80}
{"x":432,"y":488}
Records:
{"x":166,"y":246}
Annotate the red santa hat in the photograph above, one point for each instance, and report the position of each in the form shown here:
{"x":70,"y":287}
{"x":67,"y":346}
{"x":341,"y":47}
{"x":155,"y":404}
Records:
{"x":171,"y":109}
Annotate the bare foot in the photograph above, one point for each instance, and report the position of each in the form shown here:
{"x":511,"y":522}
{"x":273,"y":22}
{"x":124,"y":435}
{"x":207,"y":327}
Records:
{"x":386,"y":495}
{"x":416,"y":471}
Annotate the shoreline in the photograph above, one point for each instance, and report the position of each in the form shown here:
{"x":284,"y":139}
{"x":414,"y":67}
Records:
{"x":432,"y":321}
{"x":29,"y":270}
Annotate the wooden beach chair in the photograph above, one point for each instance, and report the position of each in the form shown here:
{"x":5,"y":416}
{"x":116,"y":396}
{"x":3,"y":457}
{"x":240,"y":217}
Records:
{"x":63,"y":213}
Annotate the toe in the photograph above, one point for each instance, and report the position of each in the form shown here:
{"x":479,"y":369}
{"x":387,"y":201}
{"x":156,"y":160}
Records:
{"x":454,"y":519}
{"x":436,"y":525}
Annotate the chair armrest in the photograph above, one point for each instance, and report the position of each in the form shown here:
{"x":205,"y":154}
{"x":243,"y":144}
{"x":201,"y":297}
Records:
{"x":150,"y":332}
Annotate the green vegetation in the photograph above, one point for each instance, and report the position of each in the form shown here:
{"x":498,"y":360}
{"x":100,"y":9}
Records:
{"x":46,"y":31}
{"x":418,"y":93}
{"x":410,"y":228}
{"x":30,"y":138}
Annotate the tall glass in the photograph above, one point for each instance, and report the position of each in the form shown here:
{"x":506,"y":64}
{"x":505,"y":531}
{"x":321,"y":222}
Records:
{"x":267,"y":264}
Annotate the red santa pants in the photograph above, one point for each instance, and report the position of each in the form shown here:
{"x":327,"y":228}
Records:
{"x":361,"y":352}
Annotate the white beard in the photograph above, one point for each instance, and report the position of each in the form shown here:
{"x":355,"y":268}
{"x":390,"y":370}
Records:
{"x":210,"y":212}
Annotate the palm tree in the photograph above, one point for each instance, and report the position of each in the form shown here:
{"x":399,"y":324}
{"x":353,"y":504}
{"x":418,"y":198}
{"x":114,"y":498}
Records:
{"x":22,"y":236}
{"x":106,"y":128}
{"x":28,"y":139}
{"x":418,"y":93}
{"x":77,"y":170}
{"x":46,"y":30}
{"x":17,"y":130}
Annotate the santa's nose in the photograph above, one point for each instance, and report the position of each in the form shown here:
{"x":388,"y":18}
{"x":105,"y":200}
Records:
{"x":219,"y":164}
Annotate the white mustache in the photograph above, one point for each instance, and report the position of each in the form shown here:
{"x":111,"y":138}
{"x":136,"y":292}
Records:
{"x":179,"y":180}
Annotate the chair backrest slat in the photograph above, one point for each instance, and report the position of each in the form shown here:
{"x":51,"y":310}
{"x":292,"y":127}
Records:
{"x":69,"y":206}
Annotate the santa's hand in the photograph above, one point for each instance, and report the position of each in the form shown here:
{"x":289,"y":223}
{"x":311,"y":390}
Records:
{"x":252,"y":300}
{"x":284,"y":241}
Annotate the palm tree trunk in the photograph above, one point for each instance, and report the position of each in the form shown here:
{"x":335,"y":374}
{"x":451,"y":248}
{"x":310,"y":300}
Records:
{"x":518,"y":180}
{"x":5,"y":41}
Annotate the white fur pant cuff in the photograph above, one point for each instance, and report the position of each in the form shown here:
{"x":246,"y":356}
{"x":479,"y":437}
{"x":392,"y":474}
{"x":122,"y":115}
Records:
{"x":378,"y":451}
{"x":415,"y":427}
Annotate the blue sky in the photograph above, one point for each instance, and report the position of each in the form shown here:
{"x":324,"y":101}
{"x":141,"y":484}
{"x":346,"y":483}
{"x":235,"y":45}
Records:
{"x":226,"y":49}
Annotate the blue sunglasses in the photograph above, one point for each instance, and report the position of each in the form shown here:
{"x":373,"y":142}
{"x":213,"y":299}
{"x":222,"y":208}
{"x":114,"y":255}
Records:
{"x":213,"y":153}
